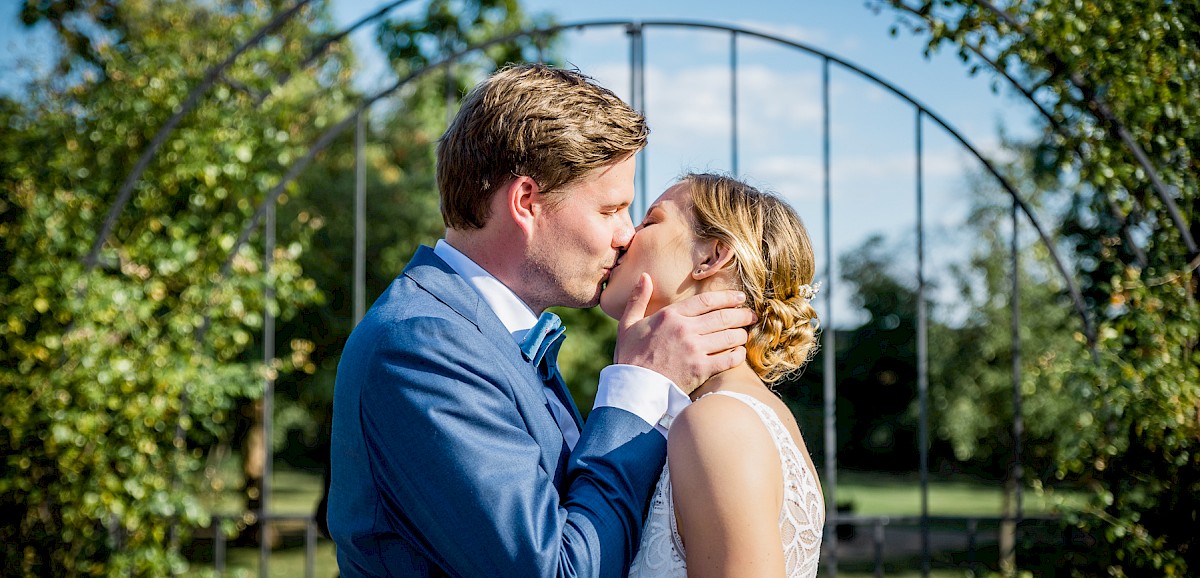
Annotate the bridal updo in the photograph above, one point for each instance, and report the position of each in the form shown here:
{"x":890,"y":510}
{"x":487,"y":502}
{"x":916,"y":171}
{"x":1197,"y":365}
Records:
{"x":772,"y":261}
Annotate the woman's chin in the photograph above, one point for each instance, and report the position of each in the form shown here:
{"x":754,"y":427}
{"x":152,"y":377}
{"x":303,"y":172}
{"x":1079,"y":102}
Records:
{"x":611,"y":304}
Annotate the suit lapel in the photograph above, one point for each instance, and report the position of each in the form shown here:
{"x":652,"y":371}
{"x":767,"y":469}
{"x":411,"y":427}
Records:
{"x":434,"y":275}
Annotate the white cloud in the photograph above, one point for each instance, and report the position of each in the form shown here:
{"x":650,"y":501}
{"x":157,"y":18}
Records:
{"x":770,"y":103}
{"x":797,"y":178}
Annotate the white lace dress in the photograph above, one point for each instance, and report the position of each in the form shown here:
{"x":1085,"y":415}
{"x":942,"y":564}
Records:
{"x":801,"y":520}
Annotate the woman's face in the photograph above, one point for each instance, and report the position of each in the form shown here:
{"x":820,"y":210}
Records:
{"x":665,"y":246}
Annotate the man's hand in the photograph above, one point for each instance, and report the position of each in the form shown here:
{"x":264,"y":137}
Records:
{"x":687,"y":342}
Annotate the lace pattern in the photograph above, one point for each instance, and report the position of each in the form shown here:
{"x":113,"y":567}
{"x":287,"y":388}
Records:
{"x":801,"y":519}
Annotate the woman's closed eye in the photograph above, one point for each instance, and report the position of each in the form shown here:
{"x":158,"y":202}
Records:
{"x":651,"y":218}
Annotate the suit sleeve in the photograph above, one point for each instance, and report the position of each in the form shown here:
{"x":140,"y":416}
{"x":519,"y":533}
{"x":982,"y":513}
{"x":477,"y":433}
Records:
{"x":456,"y":465}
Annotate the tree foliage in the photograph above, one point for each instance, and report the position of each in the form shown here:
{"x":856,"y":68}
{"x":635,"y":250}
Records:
{"x":877,"y":363}
{"x":971,"y":376}
{"x":1117,"y":84}
{"x":116,"y":380}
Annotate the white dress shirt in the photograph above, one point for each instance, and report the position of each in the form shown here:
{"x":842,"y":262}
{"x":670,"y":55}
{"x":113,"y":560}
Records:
{"x":640,"y":391}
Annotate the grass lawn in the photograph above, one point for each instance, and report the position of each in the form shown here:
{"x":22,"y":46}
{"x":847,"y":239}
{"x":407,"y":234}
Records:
{"x":296,"y":491}
{"x":876,"y":494}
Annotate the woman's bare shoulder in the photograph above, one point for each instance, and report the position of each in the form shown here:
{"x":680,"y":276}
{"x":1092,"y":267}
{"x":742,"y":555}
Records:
{"x":718,"y":435}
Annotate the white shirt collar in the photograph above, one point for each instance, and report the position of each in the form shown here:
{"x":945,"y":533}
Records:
{"x":516,"y":316}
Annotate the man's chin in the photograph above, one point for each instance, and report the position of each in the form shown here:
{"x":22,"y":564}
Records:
{"x":585,"y":301}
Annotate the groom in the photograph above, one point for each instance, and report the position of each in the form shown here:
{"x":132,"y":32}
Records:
{"x":456,"y":449}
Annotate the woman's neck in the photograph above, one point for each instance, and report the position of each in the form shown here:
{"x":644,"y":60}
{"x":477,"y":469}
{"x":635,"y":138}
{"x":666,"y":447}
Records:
{"x":739,"y":378}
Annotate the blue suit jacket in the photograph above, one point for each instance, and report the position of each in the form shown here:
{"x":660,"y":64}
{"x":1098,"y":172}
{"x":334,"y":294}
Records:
{"x":447,"y":461}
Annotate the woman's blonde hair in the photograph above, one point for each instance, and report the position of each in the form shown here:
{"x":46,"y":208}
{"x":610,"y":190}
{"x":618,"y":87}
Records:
{"x":773,"y":261}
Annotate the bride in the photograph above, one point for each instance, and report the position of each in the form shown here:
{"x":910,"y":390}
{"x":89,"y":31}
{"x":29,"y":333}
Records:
{"x":739,"y":494}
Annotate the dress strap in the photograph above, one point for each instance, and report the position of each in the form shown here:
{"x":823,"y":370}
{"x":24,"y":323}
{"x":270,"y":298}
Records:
{"x":776,"y":428}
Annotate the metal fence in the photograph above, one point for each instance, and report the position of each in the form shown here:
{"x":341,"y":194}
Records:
{"x":923,"y":118}
{"x":963,"y":541}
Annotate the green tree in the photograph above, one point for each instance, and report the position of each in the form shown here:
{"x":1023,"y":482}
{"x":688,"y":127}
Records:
{"x":971,"y":376}
{"x":116,"y":380}
{"x":877,"y":363}
{"x":1116,"y":82}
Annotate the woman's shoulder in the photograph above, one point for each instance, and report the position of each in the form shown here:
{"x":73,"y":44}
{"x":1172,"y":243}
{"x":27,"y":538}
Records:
{"x":724,"y":464}
{"x":716,"y":415}
{"x":719,"y":431}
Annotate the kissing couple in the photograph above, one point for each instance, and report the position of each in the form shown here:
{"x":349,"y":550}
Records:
{"x":456,"y":448}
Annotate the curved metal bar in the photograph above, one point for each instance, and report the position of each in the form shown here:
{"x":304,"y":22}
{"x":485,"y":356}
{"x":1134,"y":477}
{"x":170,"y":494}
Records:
{"x":1102,"y":112}
{"x":1089,"y":328}
{"x":210,"y":77}
{"x":325,"y":139}
{"x":329,"y":135}
{"x":335,"y":38}
{"x":1072,"y":288}
{"x":1139,"y":254}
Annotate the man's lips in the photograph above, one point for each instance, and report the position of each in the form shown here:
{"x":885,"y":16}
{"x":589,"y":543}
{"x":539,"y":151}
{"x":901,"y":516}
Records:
{"x":608,"y":271}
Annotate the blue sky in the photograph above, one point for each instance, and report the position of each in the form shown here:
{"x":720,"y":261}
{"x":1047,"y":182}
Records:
{"x":779,"y":112}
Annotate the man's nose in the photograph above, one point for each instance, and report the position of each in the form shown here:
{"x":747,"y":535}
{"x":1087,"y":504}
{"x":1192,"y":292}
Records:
{"x":624,"y":235}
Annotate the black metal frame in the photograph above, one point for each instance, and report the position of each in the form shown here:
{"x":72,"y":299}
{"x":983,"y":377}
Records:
{"x":635,"y":31}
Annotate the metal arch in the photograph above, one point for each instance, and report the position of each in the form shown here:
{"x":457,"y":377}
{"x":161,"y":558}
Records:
{"x":325,"y":139}
{"x":265,"y":209}
{"x":337,"y":129}
{"x":1076,"y":296}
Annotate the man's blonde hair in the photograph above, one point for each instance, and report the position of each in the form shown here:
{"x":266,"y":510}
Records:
{"x":774,"y":263}
{"x":549,"y":124}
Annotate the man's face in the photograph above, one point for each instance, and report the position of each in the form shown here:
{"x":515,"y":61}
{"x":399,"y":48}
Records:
{"x":578,"y":240}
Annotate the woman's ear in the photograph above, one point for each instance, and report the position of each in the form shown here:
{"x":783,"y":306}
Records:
{"x":522,"y":201}
{"x":712,"y":257}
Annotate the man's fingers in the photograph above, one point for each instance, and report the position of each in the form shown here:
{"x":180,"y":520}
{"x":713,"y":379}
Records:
{"x":714,"y":343}
{"x":709,"y":301}
{"x":723,"y":319}
{"x":728,"y":359}
{"x":639,"y":299}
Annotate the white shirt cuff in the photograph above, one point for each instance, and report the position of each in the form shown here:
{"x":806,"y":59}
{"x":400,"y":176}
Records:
{"x":642,"y":392}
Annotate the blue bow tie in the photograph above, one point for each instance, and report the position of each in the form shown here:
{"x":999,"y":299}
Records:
{"x":540,"y":345}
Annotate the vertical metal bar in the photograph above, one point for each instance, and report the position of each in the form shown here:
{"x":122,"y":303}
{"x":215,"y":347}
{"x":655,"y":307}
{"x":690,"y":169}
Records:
{"x":733,"y":101}
{"x":922,"y":351}
{"x":634,"y":31}
{"x":360,"y":221}
{"x":218,"y":546}
{"x":310,"y":547}
{"x":878,"y":539}
{"x":268,"y":407}
{"x":449,"y":92}
{"x":641,"y":98}
{"x":1018,"y":424}
{"x":828,"y":350}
